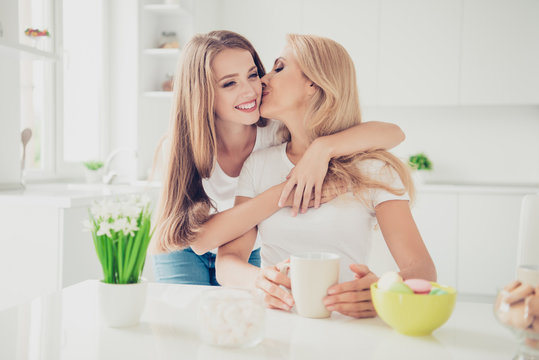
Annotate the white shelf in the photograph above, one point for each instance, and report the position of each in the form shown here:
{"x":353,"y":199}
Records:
{"x":25,"y":50}
{"x":158,"y":94}
{"x":164,"y":8}
{"x":162,"y":52}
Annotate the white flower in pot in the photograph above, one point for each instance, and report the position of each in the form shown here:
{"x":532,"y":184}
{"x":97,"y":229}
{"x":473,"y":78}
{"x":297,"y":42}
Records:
{"x":121,"y":233}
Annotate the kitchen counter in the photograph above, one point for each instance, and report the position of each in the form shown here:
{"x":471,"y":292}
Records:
{"x":477,"y":189}
{"x":64,"y":195}
{"x":65,"y":325}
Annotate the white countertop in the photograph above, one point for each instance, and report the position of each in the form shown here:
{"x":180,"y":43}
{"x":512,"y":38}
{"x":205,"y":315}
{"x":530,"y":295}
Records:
{"x":66,"y":195}
{"x":65,"y":325}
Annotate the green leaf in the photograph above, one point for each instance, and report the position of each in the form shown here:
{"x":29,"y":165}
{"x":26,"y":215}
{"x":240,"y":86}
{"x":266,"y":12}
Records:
{"x":93,"y":165}
{"x":121,"y":257}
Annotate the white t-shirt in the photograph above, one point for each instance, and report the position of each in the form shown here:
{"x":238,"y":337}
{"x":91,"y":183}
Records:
{"x":220,"y":187}
{"x":343,"y":226}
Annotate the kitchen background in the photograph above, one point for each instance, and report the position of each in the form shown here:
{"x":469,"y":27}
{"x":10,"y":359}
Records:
{"x":460,"y":77}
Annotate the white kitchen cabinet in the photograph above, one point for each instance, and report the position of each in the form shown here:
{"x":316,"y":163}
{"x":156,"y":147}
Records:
{"x":44,"y":244}
{"x":419,"y":52}
{"x":500,"y":52}
{"x":436,"y":216}
{"x":30,"y":256}
{"x":359,"y":37}
{"x":79,"y":259}
{"x":487,"y":241}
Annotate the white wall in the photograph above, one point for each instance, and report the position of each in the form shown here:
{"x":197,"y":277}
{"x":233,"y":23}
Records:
{"x":468,"y":144}
{"x":485,"y":145}
{"x":488,"y":144}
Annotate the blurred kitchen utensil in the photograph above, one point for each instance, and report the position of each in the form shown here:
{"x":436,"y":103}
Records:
{"x":26,"y":135}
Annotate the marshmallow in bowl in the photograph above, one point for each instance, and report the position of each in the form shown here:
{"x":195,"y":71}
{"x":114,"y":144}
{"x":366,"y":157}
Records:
{"x":388,"y":279}
{"x":230,"y":317}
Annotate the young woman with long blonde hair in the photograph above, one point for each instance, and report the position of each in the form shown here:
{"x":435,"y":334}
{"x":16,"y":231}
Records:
{"x":215,"y":126}
{"x":312,"y":90}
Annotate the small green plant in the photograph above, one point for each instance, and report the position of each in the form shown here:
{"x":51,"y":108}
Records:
{"x":420,"y":162}
{"x":93,"y":165}
{"x":121,"y":232}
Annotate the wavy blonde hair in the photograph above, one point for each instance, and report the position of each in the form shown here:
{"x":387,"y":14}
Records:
{"x":184,"y":205}
{"x":335,"y":107}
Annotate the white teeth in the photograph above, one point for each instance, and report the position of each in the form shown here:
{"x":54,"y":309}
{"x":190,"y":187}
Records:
{"x":247,"y":106}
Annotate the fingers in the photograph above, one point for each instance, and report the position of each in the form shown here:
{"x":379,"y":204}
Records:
{"x":274,"y":275}
{"x":275,"y":303}
{"x":360,"y":314}
{"x":286,"y":192}
{"x":346,"y":308}
{"x":348,"y":297}
{"x":363,"y":283}
{"x":276,"y":296}
{"x":353,"y":285}
{"x":360,"y":269}
{"x":300,"y":188}
{"x":306,"y":198}
{"x":357,"y":303}
{"x":317,"y":194}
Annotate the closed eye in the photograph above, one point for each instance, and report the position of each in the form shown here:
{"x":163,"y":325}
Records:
{"x":228,"y":84}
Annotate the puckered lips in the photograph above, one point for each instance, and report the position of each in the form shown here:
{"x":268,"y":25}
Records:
{"x":248,"y":106}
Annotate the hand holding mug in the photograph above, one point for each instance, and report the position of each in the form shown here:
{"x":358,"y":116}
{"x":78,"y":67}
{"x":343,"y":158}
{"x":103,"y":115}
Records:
{"x":270,"y":280}
{"x":353,"y":298}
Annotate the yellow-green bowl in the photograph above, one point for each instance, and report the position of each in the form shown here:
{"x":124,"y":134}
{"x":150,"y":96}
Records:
{"x":414,"y":314}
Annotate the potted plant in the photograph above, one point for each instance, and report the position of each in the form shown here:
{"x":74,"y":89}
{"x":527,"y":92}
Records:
{"x":421,"y":165}
{"x":121,"y":233}
{"x":93,"y":171}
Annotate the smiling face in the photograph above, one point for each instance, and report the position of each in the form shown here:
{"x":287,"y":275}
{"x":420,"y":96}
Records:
{"x":286,"y":89}
{"x":238,"y":89}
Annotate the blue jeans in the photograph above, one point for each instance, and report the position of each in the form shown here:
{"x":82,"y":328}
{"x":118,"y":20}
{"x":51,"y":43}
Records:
{"x":186,"y":267}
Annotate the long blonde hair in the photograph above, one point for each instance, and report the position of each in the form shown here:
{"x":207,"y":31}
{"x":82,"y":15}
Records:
{"x":184,"y":205}
{"x":335,"y":107}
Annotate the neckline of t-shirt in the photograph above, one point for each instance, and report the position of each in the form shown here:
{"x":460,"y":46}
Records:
{"x":285,"y":156}
{"x":257,"y":140}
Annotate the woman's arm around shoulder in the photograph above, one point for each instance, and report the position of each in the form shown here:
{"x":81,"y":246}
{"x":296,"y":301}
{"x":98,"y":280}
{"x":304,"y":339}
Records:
{"x":310,"y":171}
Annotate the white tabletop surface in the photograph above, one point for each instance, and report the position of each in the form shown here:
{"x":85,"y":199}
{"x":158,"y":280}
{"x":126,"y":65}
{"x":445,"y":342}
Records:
{"x":65,"y":325}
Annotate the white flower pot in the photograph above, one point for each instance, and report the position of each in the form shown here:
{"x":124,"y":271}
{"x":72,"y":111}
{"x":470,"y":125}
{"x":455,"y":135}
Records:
{"x":421,"y":177}
{"x":121,"y":305}
{"x":93,"y":176}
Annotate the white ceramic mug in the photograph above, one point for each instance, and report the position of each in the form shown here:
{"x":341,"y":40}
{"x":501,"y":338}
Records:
{"x":311,"y":274}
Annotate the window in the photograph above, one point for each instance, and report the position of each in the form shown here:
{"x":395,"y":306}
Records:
{"x":37,"y":111}
{"x":82,"y":81}
{"x":63,"y":95}
{"x":37,"y":84}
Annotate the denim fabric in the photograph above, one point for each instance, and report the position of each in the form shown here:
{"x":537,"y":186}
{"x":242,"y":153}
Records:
{"x":186,"y":267}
